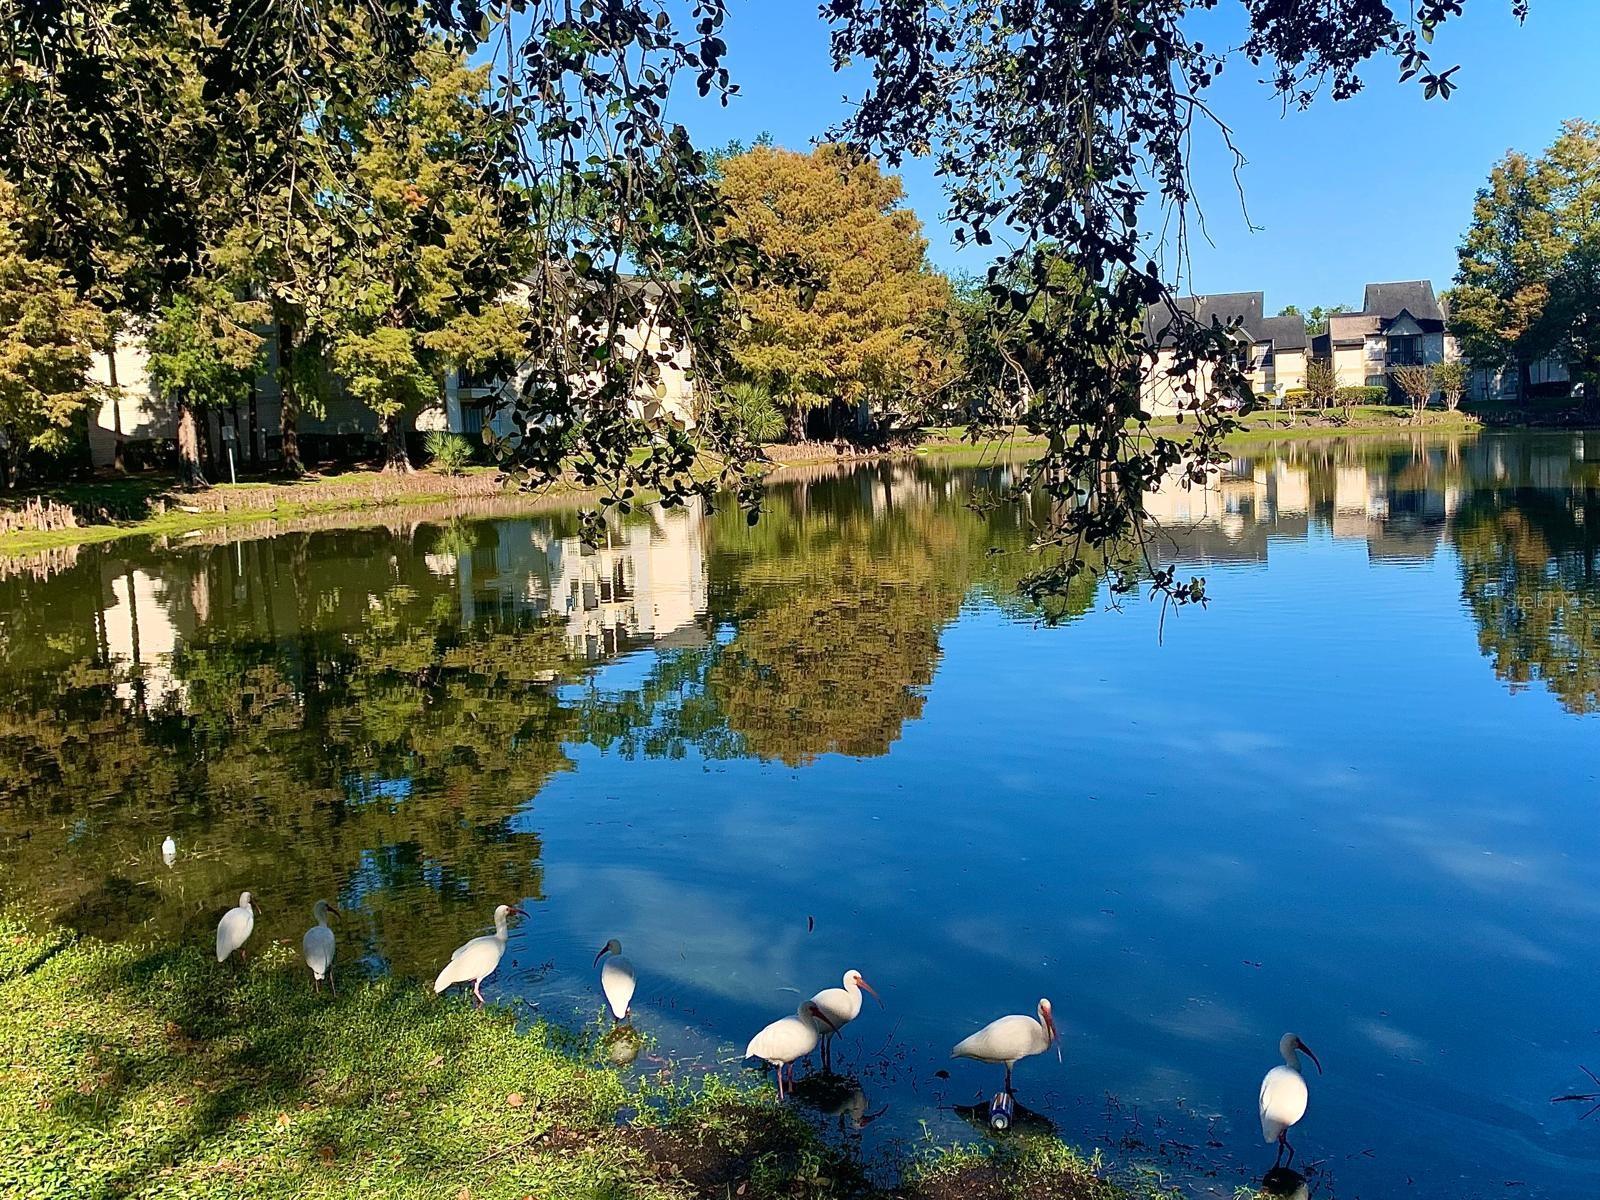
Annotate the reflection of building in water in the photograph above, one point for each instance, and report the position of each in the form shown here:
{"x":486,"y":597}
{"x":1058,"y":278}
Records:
{"x":1399,"y":510}
{"x":139,"y":636}
{"x":645,"y":583}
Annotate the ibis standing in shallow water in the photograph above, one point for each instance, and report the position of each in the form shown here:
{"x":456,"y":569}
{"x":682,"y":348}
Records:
{"x":1284,"y":1094}
{"x":617,"y":979}
{"x":1010,"y":1039}
{"x":842,"y":1005}
{"x":476,"y":961}
{"x":317,"y":946}
{"x":234,"y":928}
{"x":788,"y":1039}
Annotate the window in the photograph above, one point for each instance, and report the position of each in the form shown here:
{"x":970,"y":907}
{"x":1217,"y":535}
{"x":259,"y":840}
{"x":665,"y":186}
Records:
{"x":472,"y":418}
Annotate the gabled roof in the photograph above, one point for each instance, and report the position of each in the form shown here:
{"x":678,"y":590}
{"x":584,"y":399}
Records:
{"x":1285,"y":333}
{"x":1350,"y":329}
{"x":1389,"y":300}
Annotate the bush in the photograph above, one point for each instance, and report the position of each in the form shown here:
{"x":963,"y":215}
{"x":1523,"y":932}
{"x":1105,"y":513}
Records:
{"x":1296,"y":397}
{"x":751,"y":407}
{"x":1550,"y":389}
{"x":450,"y":452}
{"x":1367,"y":394}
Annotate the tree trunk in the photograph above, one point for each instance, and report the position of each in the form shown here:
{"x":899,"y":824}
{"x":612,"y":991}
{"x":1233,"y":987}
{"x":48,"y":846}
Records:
{"x":395,"y":457}
{"x":1524,"y":380}
{"x":255,"y":430}
{"x":189,"y":446}
{"x":797,"y":424}
{"x":118,"y":463}
{"x":289,"y":400}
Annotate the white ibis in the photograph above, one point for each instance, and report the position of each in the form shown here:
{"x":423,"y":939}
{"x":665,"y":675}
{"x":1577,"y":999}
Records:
{"x":317,"y":946}
{"x":1010,"y":1039}
{"x":477,"y":960}
{"x":234,"y":928}
{"x":788,"y":1039}
{"x":1284,"y":1094}
{"x":617,"y":979}
{"x":169,"y":851}
{"x":842,"y":1005}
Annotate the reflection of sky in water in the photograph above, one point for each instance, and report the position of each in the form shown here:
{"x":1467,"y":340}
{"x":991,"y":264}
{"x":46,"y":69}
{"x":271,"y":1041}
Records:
{"x":1316,"y":805}
{"x":366,"y":789}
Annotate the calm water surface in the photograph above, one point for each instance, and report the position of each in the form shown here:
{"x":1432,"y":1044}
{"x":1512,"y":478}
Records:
{"x":1355,"y":798}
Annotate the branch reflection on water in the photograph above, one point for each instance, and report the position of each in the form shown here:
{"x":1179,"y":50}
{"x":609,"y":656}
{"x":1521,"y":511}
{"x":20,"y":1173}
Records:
{"x":374,"y":707}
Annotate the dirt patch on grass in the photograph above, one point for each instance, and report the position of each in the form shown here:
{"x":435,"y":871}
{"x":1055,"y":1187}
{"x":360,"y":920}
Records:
{"x":1001,"y":1181}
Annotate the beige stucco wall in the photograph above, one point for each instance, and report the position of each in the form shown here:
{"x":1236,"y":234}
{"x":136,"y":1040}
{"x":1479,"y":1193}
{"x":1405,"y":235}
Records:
{"x":142,"y":415}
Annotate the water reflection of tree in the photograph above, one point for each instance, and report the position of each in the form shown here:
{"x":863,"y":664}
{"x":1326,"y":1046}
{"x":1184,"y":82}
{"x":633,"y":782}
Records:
{"x":380,"y":757}
{"x":834,"y":605}
{"x":1529,"y":574}
{"x":352,"y":714}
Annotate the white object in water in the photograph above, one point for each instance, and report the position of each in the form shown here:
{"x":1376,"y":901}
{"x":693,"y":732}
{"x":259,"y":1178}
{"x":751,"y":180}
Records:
{"x":617,"y":979}
{"x":477,"y":960}
{"x":1010,"y":1039}
{"x":788,"y":1039}
{"x":843,"y":1005}
{"x":1284,"y":1094}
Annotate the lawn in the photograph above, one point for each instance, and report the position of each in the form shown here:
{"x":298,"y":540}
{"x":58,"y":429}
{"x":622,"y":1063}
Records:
{"x":155,"y":1071}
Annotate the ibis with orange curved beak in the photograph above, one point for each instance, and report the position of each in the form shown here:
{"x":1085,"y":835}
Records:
{"x":1011,"y":1039}
{"x":788,"y":1039}
{"x":842,"y":1005}
{"x":476,"y":960}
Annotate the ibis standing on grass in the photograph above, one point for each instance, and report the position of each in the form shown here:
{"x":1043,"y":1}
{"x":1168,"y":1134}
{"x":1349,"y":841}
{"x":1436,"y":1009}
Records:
{"x":842,"y":1005}
{"x":234,"y":928}
{"x":169,"y":851}
{"x":788,"y":1039}
{"x":476,"y":961}
{"x":1284,"y":1094}
{"x":1010,"y":1039}
{"x":317,"y":946}
{"x":617,"y":979}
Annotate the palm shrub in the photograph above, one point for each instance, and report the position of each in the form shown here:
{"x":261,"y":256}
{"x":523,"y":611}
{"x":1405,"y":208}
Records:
{"x":450,"y":452}
{"x":752,"y":407}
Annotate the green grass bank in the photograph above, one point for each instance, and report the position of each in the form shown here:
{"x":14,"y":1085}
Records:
{"x":153,"y":506}
{"x":155,"y":1072}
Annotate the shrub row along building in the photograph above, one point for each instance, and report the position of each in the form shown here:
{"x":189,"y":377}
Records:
{"x":1399,"y":324}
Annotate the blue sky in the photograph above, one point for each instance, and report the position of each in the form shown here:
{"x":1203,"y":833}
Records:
{"x":1378,"y":187}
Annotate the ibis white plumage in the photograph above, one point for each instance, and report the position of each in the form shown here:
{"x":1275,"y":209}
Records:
{"x":617,"y":979}
{"x":169,"y":851}
{"x":234,"y":928}
{"x":1284,"y":1094}
{"x":317,"y":946}
{"x":842,"y":1005}
{"x":788,"y":1039}
{"x":476,"y":960}
{"x":1011,"y":1039}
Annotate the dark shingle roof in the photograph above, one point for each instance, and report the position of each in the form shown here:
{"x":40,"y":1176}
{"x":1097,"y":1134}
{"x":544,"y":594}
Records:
{"x":1286,"y":333}
{"x":1415,"y":296}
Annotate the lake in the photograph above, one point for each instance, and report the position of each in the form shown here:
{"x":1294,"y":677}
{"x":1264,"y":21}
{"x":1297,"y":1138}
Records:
{"x":1355,"y":797}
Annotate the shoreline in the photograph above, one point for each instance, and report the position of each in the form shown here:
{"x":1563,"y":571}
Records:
{"x":152,"y":1067}
{"x":286,"y":506}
